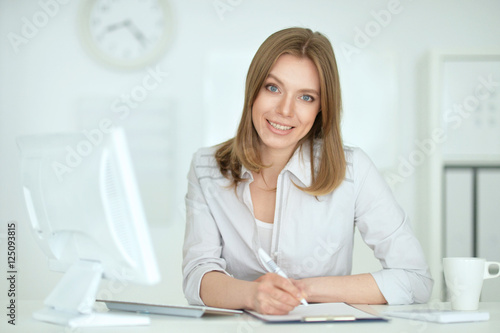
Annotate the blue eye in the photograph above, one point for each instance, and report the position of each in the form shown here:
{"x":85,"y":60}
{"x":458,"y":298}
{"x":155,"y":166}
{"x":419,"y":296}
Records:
{"x":307,"y":98}
{"x":272,"y":88}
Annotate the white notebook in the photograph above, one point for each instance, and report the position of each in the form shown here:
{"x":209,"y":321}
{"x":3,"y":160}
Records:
{"x":320,"y":312}
{"x":439,"y":316}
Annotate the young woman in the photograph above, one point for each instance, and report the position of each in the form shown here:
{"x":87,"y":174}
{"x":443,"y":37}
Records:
{"x":286,"y":183}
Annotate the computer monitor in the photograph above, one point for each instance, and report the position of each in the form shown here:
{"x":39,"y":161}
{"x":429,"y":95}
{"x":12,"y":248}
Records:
{"x":86,"y":214}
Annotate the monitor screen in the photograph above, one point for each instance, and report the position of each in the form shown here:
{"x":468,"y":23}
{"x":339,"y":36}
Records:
{"x":86,"y":215}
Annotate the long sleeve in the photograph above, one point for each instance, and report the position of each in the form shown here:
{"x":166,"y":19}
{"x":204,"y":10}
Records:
{"x":202,"y":241}
{"x":385,"y":228}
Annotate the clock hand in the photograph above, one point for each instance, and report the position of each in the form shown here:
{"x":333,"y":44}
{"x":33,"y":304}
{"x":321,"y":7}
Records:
{"x":117,"y":25}
{"x":132,"y":28}
{"x":112,"y":27}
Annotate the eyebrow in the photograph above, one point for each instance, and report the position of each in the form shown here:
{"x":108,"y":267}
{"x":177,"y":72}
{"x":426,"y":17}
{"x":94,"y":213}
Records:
{"x":313,"y":91}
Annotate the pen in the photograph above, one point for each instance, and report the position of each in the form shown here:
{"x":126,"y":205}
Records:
{"x":271,"y":267}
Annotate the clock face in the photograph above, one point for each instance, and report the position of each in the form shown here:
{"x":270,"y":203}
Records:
{"x":126,"y":33}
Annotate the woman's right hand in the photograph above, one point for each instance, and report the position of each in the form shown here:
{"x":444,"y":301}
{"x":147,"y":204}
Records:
{"x":275,"y":295}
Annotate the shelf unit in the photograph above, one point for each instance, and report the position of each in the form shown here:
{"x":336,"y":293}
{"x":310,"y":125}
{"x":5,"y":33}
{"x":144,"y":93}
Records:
{"x":464,"y":101}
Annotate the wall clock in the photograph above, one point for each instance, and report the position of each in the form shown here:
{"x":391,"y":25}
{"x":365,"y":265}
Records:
{"x":128,"y":34}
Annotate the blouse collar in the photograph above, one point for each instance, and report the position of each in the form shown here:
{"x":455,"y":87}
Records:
{"x":299,"y":164}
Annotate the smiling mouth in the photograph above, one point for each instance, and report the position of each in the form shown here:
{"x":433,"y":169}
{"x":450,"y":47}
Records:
{"x":279,"y":127}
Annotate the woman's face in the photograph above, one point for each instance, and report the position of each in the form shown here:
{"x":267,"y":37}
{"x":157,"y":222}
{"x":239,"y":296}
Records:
{"x":287,"y":104}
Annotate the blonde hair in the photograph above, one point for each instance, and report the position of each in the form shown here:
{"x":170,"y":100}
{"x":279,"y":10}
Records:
{"x":243,"y":148}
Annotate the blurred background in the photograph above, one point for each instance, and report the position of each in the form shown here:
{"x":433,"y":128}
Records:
{"x":420,"y":83}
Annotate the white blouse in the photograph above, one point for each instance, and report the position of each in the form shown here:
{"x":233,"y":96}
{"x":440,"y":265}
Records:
{"x":311,"y":236}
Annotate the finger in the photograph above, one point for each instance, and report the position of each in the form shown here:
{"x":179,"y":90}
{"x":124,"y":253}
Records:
{"x":301,"y":286}
{"x":283,"y":297}
{"x":287,"y":286}
{"x":274,"y":307}
{"x":277,"y":280}
{"x":279,"y":309}
{"x":270,"y":292}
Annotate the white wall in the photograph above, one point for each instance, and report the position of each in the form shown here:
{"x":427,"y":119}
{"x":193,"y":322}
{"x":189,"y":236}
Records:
{"x":46,"y":85}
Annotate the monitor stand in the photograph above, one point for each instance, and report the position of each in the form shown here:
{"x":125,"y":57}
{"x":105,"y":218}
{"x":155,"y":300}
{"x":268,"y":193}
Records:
{"x":72,"y":300}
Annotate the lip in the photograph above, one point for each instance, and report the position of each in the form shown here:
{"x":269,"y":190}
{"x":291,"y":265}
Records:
{"x":276,"y":130}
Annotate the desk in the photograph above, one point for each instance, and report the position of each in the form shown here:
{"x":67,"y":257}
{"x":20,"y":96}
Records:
{"x":247,"y":324}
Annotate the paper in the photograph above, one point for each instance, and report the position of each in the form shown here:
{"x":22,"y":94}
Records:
{"x":321,"y":312}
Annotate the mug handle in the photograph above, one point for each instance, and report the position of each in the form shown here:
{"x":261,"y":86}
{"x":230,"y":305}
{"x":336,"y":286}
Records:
{"x":487,"y":265}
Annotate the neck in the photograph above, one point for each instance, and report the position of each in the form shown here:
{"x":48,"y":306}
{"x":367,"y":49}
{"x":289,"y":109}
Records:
{"x":276,"y":159}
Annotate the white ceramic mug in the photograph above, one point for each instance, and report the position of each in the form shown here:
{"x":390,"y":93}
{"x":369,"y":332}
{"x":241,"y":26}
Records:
{"x":464,"y":279}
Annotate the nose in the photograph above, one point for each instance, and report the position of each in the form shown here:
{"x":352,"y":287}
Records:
{"x":286,"y":106}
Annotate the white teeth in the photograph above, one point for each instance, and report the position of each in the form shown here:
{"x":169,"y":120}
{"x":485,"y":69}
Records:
{"x":280,"y":127}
